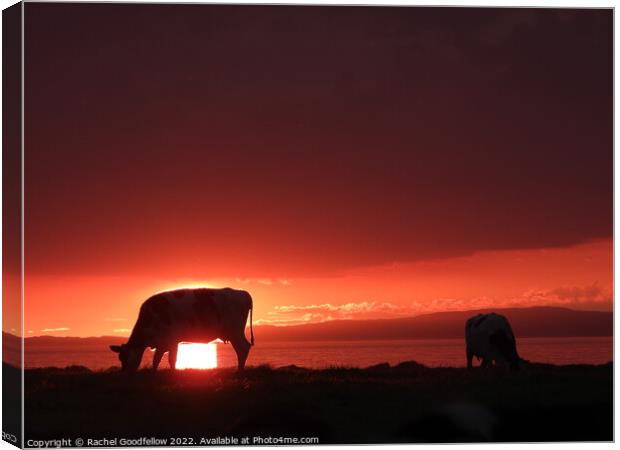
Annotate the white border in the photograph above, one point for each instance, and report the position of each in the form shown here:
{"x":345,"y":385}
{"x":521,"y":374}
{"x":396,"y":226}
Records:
{"x":480,"y":3}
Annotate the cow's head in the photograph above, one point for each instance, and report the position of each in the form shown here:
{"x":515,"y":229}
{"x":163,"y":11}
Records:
{"x":507,"y":347}
{"x":512,"y":357}
{"x":519,"y":364}
{"x":129,"y":356}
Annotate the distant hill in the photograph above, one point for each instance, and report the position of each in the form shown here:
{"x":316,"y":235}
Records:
{"x":530,"y":322}
{"x":11,"y":344}
{"x":526,"y":322}
{"x":11,"y":349}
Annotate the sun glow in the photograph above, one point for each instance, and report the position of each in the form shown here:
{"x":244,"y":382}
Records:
{"x":196,"y":356}
{"x":186,"y":285}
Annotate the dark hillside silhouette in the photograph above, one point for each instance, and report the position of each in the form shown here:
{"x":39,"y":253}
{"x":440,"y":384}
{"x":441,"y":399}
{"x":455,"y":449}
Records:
{"x":338,"y":405}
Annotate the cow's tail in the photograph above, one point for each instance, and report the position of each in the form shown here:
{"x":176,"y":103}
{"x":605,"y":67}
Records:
{"x":251,"y":329}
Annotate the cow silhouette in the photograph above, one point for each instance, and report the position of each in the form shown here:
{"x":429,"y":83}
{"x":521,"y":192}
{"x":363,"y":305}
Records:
{"x":188,"y":315}
{"x":489,"y":337}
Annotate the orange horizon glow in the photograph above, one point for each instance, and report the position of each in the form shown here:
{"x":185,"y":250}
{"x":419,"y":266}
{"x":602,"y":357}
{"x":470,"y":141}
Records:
{"x":577,"y":277}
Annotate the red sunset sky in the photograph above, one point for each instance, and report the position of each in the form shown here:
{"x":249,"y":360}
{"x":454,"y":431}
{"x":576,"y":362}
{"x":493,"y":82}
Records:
{"x":337,"y":162}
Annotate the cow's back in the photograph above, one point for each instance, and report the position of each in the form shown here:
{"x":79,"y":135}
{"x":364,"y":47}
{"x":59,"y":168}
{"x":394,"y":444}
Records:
{"x":189,"y":313}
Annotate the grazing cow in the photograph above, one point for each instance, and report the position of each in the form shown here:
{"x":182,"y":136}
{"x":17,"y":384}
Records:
{"x":188,"y":315}
{"x":489,"y":337}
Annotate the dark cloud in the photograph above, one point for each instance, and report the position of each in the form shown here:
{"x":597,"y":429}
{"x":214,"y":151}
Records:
{"x":276,"y":140}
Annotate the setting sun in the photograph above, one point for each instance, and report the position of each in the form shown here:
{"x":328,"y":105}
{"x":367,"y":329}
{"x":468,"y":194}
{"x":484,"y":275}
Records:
{"x":196,"y":356}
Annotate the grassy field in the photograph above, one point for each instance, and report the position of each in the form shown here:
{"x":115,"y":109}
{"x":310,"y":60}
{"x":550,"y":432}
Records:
{"x":382,"y":404}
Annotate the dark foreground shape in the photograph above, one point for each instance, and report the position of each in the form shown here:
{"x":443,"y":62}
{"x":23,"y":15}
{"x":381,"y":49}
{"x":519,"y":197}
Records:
{"x":11,"y":404}
{"x":406,"y":403}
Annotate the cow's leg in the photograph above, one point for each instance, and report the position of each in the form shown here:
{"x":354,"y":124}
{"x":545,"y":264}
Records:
{"x":242,"y":348}
{"x":172,"y":356}
{"x":470,"y":357}
{"x":159,"y":353}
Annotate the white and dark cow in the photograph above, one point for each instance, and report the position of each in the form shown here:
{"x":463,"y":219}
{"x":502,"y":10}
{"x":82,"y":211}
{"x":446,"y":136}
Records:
{"x":188,"y":315}
{"x":489,"y":337}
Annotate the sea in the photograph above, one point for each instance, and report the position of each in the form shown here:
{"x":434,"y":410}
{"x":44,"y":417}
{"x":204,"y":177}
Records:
{"x":322,"y":354}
